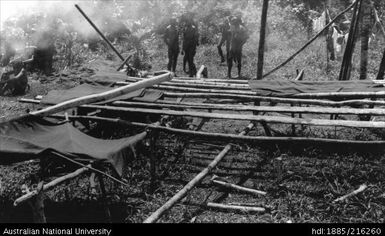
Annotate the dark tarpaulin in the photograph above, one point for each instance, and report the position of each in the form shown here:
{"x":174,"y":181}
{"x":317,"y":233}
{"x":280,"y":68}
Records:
{"x":106,"y":78}
{"x":58,"y":96}
{"x":287,"y":88}
{"x":26,"y":138}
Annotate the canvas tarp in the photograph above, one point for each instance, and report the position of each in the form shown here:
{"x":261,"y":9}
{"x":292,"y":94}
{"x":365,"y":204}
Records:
{"x":26,"y":138}
{"x":107,"y":78}
{"x":58,"y":96}
{"x":287,"y":88}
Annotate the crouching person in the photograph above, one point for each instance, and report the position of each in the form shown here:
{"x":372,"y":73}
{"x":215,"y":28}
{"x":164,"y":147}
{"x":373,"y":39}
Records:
{"x":15,"y":82}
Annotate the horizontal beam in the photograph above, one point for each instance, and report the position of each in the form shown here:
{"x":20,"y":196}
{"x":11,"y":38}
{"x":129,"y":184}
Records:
{"x":274,"y":99}
{"x":229,"y":137}
{"x":102,"y":96}
{"x":259,"y":118}
{"x":277,"y":109}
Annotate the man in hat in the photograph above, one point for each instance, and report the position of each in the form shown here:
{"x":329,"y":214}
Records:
{"x":225,"y":38}
{"x":239,"y":36}
{"x":190,"y":43}
{"x":171,"y":38}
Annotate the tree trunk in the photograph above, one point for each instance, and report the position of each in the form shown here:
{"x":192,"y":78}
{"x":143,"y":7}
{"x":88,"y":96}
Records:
{"x":365,"y":31}
{"x":262,"y":35}
{"x":381,"y":71}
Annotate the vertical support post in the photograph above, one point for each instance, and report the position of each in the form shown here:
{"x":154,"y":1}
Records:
{"x":347,"y":59}
{"x":293,"y":125}
{"x":381,"y":70}
{"x":37,"y":205}
{"x":327,"y":36}
{"x":262,"y":35}
{"x":104,"y":198}
{"x":153,"y":161}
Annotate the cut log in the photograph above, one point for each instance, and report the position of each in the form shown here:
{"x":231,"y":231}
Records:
{"x":51,"y":184}
{"x":196,"y":180}
{"x":102,"y":96}
{"x":244,"y":209}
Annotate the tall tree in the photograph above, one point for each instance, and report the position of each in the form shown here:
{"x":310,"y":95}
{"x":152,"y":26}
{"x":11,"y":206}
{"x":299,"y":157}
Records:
{"x":366,"y":25}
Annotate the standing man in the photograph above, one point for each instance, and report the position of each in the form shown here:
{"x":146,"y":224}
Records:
{"x":190,"y":43}
{"x":238,"y":38}
{"x":171,"y":38}
{"x":225,"y":38}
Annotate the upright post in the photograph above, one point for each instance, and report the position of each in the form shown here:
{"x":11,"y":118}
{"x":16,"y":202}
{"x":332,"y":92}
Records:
{"x":381,"y":70}
{"x":347,"y":60}
{"x":262,"y":35}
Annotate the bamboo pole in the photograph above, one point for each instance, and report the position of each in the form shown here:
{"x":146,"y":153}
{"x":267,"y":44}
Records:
{"x":51,"y":184}
{"x":196,"y":180}
{"x":323,"y":95}
{"x":185,"y":89}
{"x":258,"y":118}
{"x":229,"y":137}
{"x":237,"y":187}
{"x":245,"y":98}
{"x":274,"y":99}
{"x":278,"y":109}
{"x":102,"y":96}
{"x":244,"y":209}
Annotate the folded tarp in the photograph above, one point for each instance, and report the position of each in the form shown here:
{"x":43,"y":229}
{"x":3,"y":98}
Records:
{"x":58,"y":96}
{"x":287,"y":88}
{"x":27,"y":138}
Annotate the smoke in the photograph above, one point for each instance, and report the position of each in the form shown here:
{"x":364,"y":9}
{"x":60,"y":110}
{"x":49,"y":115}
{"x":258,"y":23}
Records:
{"x":59,"y":17}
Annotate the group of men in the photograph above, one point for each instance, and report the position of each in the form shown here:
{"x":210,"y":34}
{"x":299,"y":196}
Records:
{"x":233,"y":34}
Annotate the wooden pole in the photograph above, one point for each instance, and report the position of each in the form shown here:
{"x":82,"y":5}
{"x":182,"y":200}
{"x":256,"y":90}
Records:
{"x":37,"y":205}
{"x":196,"y":180}
{"x":102,"y":96}
{"x":125,"y":62}
{"x":244,"y":209}
{"x":51,"y":184}
{"x":229,"y":137}
{"x":100,"y":33}
{"x":346,"y":61}
{"x":247,"y":98}
{"x":104,"y":198}
{"x":258,"y":118}
{"x":381,"y":70}
{"x":262,"y":34}
{"x":237,"y":187}
{"x":355,"y":192}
